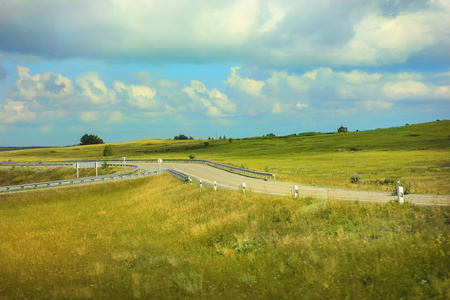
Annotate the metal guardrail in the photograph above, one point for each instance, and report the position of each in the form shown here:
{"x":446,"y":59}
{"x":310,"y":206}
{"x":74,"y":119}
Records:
{"x":60,"y":183}
{"x":117,"y":176}
{"x":225,"y":167}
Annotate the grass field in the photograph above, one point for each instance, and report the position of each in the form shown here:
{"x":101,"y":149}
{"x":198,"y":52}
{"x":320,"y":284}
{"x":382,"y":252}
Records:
{"x":160,"y":239}
{"x":22,"y":175}
{"x":416,"y":154}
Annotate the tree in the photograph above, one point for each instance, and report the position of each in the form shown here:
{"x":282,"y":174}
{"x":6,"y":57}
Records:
{"x":180,"y":137}
{"x":108,"y":150}
{"x":90,"y":139}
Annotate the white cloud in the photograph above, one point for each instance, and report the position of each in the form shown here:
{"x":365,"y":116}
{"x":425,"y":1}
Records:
{"x":94,"y":88}
{"x":140,"y":96}
{"x":375,"y":105}
{"x":247,"y":85}
{"x":381,"y":39}
{"x":115,"y":117}
{"x":272,"y":33}
{"x":47,"y":85}
{"x":276,"y":109}
{"x":320,"y":73}
{"x":442,"y":92}
{"x":216,"y":102}
{"x":46,"y":128}
{"x":357,"y":77}
{"x":301,"y":105}
{"x":277,"y":13}
{"x":280,"y":78}
{"x":15,"y":112}
{"x":405,"y":90}
{"x":89,"y":116}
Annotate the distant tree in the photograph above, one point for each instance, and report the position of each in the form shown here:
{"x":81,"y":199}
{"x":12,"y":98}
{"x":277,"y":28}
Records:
{"x":108,"y":150}
{"x":270,"y":135}
{"x":191,"y":137}
{"x":180,"y":137}
{"x":90,"y":139}
{"x":230,"y":140}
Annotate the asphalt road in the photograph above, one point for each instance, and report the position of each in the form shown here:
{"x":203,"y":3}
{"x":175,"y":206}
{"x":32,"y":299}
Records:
{"x":226,"y":179}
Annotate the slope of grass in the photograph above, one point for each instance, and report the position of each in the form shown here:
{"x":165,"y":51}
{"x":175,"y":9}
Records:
{"x":157,"y":238}
{"x":23,"y":175}
{"x":418,"y":154}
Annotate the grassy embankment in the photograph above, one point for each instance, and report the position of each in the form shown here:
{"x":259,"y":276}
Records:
{"x":23,"y":175}
{"x":161,"y":239}
{"x":418,"y":154}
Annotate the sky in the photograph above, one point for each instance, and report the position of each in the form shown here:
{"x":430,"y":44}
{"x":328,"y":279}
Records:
{"x":131,"y":70}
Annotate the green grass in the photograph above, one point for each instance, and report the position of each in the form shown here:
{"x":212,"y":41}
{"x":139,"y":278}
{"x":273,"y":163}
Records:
{"x":158,"y":238}
{"x":418,"y":154}
{"x":23,"y":175}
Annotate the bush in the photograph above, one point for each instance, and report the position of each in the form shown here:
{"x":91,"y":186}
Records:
{"x":108,"y":150}
{"x":406,"y":188}
{"x":355,"y":178}
{"x":191,"y":156}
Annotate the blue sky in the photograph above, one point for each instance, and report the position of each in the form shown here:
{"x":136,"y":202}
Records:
{"x":130,"y":70}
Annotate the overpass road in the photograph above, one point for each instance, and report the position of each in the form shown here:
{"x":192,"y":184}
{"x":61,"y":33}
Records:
{"x":226,"y":179}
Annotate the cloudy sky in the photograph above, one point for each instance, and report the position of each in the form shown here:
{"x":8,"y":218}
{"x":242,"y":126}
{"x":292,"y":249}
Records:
{"x":129,"y":70}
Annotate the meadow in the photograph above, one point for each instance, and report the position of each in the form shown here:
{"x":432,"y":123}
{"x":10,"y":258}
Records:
{"x":157,"y":238}
{"x":415,"y":154}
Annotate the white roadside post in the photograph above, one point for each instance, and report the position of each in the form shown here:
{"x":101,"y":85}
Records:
{"x":124,"y":163}
{"x":160,"y":162}
{"x":215,"y":185}
{"x":295,"y":191}
{"x":190,"y":180}
{"x":77,"y":166}
{"x":97,"y":164}
{"x":243,"y":187}
{"x":201,"y":183}
{"x":400,"y":193}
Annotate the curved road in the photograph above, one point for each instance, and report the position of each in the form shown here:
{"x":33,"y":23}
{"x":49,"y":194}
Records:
{"x":230,"y":180}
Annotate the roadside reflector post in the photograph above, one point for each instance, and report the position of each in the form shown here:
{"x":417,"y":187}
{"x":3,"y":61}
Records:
{"x":215,"y":185}
{"x":400,"y":194}
{"x":243,"y":187}
{"x":160,"y":162}
{"x":295,"y":191}
{"x":78,"y":174}
{"x":201,"y":183}
{"x":190,"y":180}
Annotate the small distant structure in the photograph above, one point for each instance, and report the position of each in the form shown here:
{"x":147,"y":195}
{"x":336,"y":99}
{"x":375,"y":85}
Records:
{"x":342,"y":129}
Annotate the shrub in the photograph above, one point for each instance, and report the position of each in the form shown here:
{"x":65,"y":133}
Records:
{"x":355,"y":178}
{"x":206,"y":144}
{"x":191,"y":156}
{"x":406,"y":188}
{"x":108,"y":150}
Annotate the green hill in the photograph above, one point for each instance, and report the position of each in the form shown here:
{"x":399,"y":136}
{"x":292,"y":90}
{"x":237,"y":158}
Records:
{"x":416,"y":153}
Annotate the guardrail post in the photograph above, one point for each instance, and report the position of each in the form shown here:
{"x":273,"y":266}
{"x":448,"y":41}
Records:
{"x":295,"y":191}
{"x":400,"y":194}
